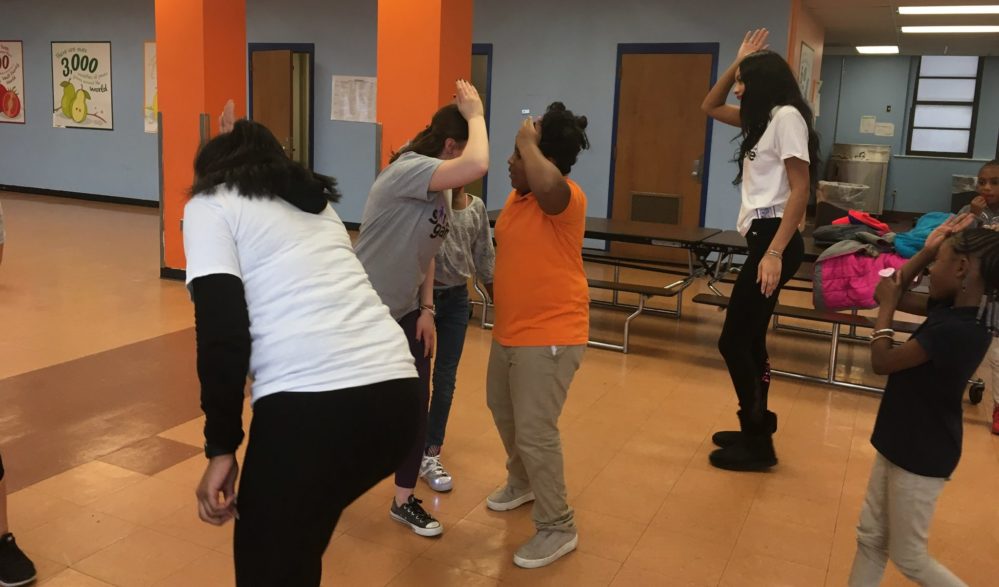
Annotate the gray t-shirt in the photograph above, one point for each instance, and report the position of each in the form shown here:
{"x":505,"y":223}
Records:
{"x":988,"y":217}
{"x":468,"y":249}
{"x":402,"y":228}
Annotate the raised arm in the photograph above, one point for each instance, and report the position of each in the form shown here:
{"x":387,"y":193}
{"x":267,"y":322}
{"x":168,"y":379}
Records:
{"x":473,"y":162}
{"x":714,"y":103}
{"x":545,"y":180}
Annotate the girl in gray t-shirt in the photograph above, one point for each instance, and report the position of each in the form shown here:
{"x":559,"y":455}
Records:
{"x":405,"y":220}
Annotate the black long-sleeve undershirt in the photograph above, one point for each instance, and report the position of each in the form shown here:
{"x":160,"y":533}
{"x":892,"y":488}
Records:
{"x":222,"y":326}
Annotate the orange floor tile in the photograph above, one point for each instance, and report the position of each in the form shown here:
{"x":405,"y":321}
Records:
{"x":79,"y":285}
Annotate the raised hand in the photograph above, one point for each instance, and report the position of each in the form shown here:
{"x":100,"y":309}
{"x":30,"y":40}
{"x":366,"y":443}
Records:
{"x":228,"y":117}
{"x":468,"y":100}
{"x":953,"y":225}
{"x":754,"y":41}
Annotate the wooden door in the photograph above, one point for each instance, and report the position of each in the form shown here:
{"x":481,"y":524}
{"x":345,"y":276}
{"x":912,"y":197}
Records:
{"x":272,"y":94}
{"x":660,"y":144}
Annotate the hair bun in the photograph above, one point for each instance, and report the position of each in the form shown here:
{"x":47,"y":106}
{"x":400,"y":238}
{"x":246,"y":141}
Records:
{"x":581,"y":122}
{"x":556,"y":107}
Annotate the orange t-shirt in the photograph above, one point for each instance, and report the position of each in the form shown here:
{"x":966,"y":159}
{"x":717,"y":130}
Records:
{"x":541,"y":294}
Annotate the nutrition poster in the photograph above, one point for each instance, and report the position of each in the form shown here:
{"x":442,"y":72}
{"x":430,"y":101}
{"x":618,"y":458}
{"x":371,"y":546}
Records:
{"x":81,"y":85}
{"x":12,"y":82}
{"x":151,"y":101}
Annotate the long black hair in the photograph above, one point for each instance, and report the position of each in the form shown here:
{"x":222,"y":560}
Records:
{"x":447,"y":123}
{"x":250,"y":160}
{"x":983,"y":244}
{"x":769,"y":83}
{"x":563,"y":136}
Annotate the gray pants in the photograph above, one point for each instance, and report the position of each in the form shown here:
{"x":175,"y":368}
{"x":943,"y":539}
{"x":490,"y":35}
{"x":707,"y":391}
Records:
{"x":526,"y":388}
{"x":993,"y":362}
{"x":895,"y":524}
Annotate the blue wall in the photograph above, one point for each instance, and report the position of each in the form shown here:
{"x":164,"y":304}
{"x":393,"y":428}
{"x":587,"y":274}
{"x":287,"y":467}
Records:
{"x":121,"y":162}
{"x":858,"y":86}
{"x":572,"y":58}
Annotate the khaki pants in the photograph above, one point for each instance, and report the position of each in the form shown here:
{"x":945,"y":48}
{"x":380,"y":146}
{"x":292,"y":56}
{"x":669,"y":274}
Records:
{"x":526,"y":388}
{"x":895,"y":523}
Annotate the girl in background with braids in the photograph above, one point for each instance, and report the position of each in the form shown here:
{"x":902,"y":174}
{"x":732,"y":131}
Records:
{"x":918,"y":429}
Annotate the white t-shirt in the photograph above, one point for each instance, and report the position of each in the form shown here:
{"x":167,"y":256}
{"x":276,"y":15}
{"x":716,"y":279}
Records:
{"x":765,"y":188}
{"x":316,"y":324}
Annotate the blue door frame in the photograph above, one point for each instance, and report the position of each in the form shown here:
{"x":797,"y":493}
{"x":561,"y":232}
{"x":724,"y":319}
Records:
{"x":487,"y":50}
{"x":667,"y":49}
{"x":309,"y":48}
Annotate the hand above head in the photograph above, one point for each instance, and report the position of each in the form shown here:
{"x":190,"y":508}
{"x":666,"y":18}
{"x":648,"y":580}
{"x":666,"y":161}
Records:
{"x":754,"y":41}
{"x":228,"y":117}
{"x":468,"y":100}
{"x":952,"y":225}
{"x":529,"y":133}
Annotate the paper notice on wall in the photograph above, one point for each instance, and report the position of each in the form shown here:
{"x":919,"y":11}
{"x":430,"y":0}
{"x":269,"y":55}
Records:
{"x":868,"y":124}
{"x":354,"y":98}
{"x":884,"y":129}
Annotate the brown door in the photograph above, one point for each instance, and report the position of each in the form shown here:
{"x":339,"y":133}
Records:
{"x":660,"y":144}
{"x":272,"y":94}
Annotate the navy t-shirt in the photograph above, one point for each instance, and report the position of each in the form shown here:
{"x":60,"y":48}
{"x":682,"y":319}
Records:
{"x":919,"y":424}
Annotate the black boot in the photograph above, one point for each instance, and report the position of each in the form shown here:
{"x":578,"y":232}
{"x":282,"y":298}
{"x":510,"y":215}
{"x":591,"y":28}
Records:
{"x":728,"y":438}
{"x":754,"y":451}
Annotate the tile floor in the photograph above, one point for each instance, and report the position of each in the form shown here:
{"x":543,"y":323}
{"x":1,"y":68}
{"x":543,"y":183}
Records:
{"x":79,"y":290}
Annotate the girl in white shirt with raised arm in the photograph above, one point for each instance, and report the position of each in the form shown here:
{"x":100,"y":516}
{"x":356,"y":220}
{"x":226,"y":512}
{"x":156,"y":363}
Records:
{"x":778,"y":164}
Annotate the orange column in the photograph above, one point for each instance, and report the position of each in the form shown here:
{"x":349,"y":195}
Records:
{"x":423,"y":47}
{"x":200,"y":63}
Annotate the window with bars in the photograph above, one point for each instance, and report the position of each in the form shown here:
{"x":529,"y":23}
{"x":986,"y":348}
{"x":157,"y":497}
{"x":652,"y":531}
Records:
{"x":945,"y":106}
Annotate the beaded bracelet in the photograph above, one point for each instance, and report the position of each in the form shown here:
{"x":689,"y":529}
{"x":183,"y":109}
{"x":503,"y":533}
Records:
{"x":881,"y":336}
{"x":888,"y":331}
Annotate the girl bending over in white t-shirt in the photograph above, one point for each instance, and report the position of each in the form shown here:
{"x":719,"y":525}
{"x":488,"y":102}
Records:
{"x":279,"y":294}
{"x":778,"y":163}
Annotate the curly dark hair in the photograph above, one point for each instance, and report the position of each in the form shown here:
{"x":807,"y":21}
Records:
{"x":250,"y":160}
{"x":563,"y":136}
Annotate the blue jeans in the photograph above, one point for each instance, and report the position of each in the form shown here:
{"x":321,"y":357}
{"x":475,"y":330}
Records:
{"x":451,"y":305}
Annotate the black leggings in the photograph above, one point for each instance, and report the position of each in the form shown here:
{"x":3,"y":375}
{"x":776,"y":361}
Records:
{"x":743,"y":342}
{"x":1,"y":467}
{"x":409,"y":471}
{"x":310,"y":455}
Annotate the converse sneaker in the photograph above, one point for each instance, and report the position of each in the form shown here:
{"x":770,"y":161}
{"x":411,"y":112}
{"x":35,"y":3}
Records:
{"x":546,"y":547}
{"x":413,"y":515}
{"x":995,"y":420}
{"x":15,"y":568}
{"x":433,"y":472}
{"x":506,"y":498}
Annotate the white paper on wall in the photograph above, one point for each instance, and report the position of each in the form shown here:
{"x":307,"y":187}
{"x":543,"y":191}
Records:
{"x":868,"y":124}
{"x":354,"y":98}
{"x":884,"y":129}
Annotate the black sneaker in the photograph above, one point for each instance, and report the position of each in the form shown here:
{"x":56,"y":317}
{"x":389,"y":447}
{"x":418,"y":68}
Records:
{"x":413,"y":515}
{"x":15,"y":568}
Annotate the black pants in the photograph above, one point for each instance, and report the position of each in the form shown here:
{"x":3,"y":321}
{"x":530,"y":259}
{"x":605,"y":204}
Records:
{"x":310,"y":455}
{"x":743,"y":342}
{"x":1,"y":469}
{"x":408,"y":472}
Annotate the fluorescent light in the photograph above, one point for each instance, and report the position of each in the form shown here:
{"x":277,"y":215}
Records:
{"x":878,"y":50}
{"x":951,"y":29}
{"x":994,"y":9}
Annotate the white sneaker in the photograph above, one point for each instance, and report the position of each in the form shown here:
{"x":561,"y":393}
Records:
{"x":433,"y":472}
{"x":505,"y":499}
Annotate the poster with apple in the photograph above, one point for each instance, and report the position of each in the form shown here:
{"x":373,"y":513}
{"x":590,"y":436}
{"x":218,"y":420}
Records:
{"x":81,"y":85}
{"x":12,"y":82}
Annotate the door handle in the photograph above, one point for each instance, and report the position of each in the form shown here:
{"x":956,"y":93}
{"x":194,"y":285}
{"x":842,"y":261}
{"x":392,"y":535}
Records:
{"x":698,"y":169}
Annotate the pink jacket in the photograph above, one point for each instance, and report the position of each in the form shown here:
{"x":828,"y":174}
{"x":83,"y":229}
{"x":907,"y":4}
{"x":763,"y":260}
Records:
{"x":848,"y":281}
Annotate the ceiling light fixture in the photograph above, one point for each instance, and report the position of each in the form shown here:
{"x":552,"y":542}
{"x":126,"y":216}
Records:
{"x":878,"y":50}
{"x":993,"y":9}
{"x":956,"y":30}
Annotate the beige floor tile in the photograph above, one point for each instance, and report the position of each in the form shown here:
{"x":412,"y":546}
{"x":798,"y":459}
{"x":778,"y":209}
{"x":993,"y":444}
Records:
{"x":795,"y":509}
{"x":46,"y":569}
{"x":73,"y":578}
{"x":146,"y":501}
{"x":89,"y":482}
{"x":575,"y":568}
{"x":682,"y":558}
{"x":30,"y":508}
{"x":352,"y":561}
{"x":633,"y":577}
{"x":606,"y":536}
{"x":143,"y":558}
{"x":192,"y":432}
{"x":72,"y":538}
{"x":755,"y":570}
{"x":477,"y":548}
{"x":784,"y":540}
{"x":186,"y":473}
{"x":185,"y":524}
{"x":427,"y":572}
{"x":210,"y":570}
{"x":705,"y":518}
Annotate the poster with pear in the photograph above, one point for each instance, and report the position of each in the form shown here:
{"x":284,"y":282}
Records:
{"x":150,"y":106}
{"x":11,"y":82}
{"x":81,"y":85}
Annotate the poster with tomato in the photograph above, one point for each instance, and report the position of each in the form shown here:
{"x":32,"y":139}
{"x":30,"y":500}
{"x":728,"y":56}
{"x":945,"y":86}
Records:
{"x":150,"y":102}
{"x":81,"y":85}
{"x":12,"y":82}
